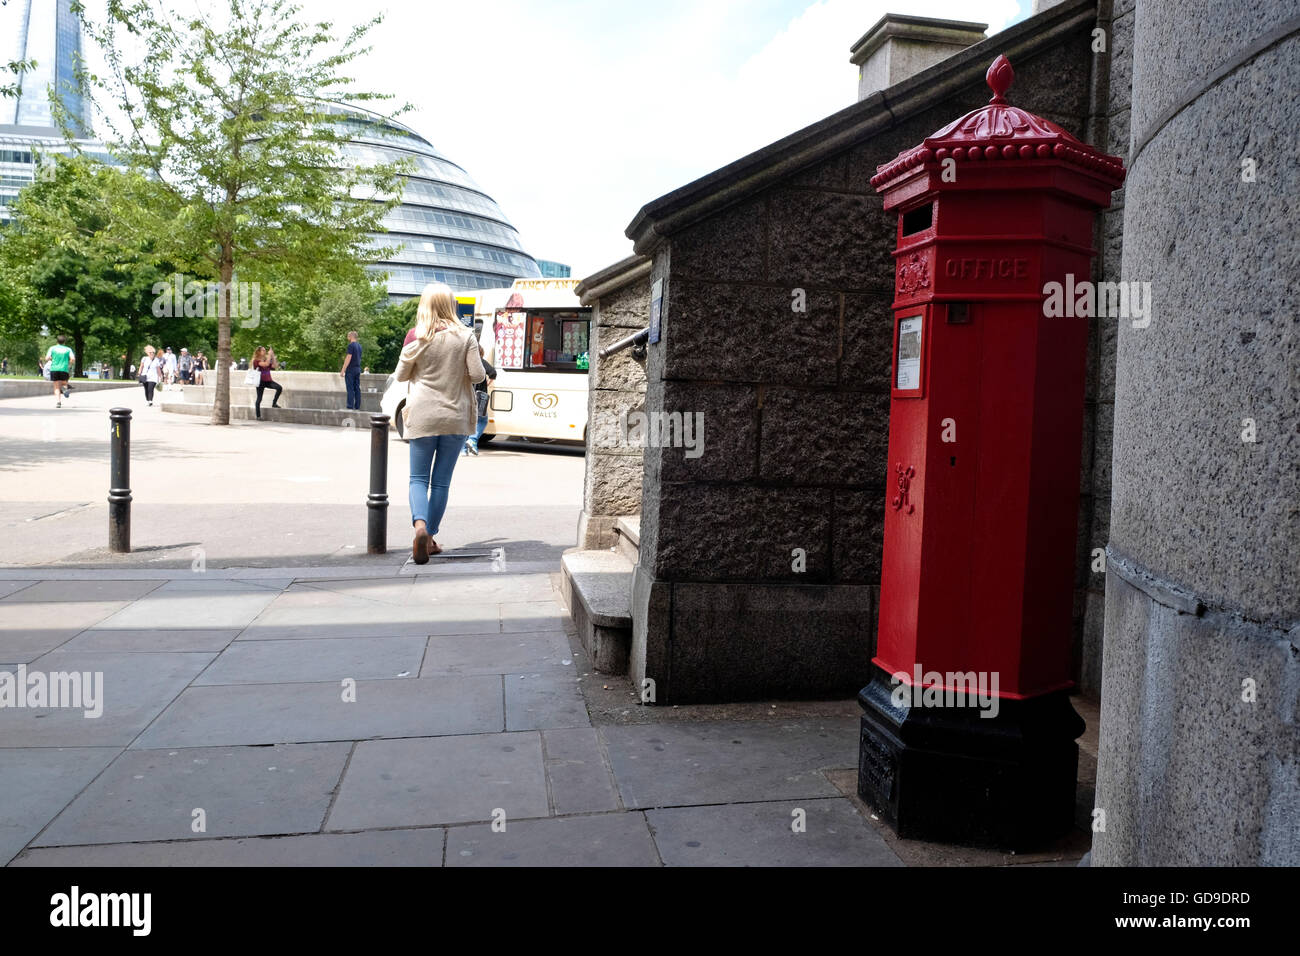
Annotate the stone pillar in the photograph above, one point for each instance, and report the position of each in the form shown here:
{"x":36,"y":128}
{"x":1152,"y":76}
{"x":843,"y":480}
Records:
{"x":1200,"y":751}
{"x":620,"y":301}
{"x":899,"y":46}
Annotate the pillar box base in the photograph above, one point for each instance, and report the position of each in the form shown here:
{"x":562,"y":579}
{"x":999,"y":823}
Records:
{"x":946,"y":774}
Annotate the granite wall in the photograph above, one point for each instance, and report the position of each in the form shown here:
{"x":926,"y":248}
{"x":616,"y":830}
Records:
{"x":1199,"y":752}
{"x":612,"y":482}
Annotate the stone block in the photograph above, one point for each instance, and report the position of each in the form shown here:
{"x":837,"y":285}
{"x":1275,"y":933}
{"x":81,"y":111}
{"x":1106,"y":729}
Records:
{"x":823,"y":240}
{"x":727,"y":247}
{"x":613,"y":486}
{"x":728,"y":332}
{"x":723,"y":431}
{"x":858,"y":536}
{"x":826,"y":438}
{"x":753,"y":642}
{"x":868,"y":341}
{"x":739,"y":532}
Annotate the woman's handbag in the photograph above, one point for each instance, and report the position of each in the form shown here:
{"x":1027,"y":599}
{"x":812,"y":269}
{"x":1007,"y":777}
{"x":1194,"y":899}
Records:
{"x":482,"y":399}
{"x":253,"y":378}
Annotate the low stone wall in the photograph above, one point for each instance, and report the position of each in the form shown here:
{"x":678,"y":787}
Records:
{"x":27,"y":388}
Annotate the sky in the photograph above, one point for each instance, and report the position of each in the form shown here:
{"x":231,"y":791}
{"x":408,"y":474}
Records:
{"x":572,"y":114}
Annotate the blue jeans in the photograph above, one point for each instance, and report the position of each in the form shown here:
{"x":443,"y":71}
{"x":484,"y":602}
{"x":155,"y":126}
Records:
{"x":482,"y":426}
{"x":353,"y":382}
{"x":433,"y":459}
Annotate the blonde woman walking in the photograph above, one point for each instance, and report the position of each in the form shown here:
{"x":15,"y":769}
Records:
{"x":441,"y":365}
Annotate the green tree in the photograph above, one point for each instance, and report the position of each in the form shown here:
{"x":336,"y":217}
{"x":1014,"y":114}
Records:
{"x":68,"y":268}
{"x":390,"y":328}
{"x":342,"y":309}
{"x":238,"y":122}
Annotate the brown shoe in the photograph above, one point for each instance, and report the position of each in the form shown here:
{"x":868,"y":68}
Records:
{"x":420,"y":547}
{"x":433,"y":547}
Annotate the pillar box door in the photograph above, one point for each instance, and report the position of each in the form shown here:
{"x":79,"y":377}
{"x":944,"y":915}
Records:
{"x":986,"y":419}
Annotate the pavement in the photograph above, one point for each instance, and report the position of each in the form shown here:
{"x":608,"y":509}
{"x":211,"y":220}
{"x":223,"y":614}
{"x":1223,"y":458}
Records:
{"x":430,"y":716}
{"x":264,"y":693}
{"x":253,"y":494}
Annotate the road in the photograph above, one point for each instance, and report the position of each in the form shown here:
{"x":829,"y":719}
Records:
{"x":252,"y":493}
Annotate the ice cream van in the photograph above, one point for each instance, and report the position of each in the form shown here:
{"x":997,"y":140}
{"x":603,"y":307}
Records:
{"x":538,"y":335}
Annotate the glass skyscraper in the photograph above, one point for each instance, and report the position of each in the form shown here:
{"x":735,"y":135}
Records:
{"x":48,"y":32}
{"x":447,"y":229}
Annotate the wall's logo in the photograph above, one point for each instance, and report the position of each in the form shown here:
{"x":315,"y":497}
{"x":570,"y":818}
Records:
{"x":545,"y":400}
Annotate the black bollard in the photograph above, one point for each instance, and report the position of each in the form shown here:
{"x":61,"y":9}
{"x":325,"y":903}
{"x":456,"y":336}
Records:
{"x":119,"y":492}
{"x":377,"y":502}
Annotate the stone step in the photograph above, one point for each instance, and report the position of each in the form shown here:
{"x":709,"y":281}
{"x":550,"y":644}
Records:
{"x":289,"y":398}
{"x":597,"y":586}
{"x":293,"y":416}
{"x":627,"y":537}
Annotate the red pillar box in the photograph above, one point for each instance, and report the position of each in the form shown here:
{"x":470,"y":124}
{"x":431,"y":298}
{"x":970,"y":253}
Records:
{"x":967,"y":731}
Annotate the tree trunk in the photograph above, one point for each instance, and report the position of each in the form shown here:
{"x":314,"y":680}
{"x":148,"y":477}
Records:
{"x":221,"y":401}
{"x":78,"y":347}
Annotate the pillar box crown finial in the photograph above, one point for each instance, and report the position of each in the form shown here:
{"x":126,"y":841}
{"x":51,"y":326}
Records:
{"x":1000,"y":131}
{"x":999,"y":78}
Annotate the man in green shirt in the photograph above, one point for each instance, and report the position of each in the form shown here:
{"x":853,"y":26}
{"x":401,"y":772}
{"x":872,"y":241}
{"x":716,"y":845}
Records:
{"x":61,"y":359}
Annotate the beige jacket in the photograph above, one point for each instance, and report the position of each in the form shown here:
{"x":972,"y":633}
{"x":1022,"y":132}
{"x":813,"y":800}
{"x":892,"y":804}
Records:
{"x":442,"y":374}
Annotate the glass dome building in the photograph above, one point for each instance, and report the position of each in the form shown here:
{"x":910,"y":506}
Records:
{"x":447,"y":229}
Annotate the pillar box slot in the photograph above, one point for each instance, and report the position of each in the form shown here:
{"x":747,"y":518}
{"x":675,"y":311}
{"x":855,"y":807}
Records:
{"x":967,"y":732}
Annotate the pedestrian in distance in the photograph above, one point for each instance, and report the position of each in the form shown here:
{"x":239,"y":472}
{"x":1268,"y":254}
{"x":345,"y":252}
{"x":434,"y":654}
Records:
{"x":482,"y":398}
{"x":351,"y":371}
{"x":60,"y":360}
{"x":151,"y":372}
{"x":185,"y":365}
{"x":264,"y":363}
{"x":441,"y":365}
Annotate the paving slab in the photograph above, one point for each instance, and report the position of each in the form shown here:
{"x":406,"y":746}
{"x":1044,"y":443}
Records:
{"x":440,"y":780}
{"x":288,"y":713}
{"x":310,"y":618}
{"x":206,"y":581}
{"x":544,"y":699}
{"x":127,"y":640}
{"x":30,"y":629}
{"x":81,"y":592}
{"x":497,"y":653}
{"x":274,"y":662}
{"x":579,"y":779}
{"x":388,"y":590}
{"x":763,"y":834}
{"x":37,"y":784}
{"x":662,"y":765}
{"x":136,"y":689}
{"x":487,"y":588}
{"x":532,"y":616}
{"x":375,"y":848}
{"x":243,"y":791}
{"x":609,"y":839}
{"x":10,"y":587}
{"x":196,"y":608}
